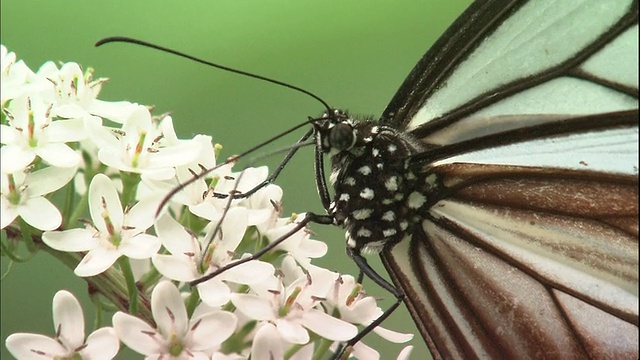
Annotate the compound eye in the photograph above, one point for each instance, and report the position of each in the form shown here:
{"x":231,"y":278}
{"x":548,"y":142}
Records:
{"x":341,"y":137}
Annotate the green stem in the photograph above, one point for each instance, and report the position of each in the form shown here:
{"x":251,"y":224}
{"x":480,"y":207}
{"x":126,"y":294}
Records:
{"x":192,"y":301}
{"x":129,"y":187}
{"x":25,"y":230}
{"x":132,"y":289}
{"x":322,"y":349}
{"x":69,"y":205}
{"x":81,"y":206}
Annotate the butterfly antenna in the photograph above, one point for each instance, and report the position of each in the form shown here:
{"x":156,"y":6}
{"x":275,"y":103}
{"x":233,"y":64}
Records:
{"x":126,"y":39}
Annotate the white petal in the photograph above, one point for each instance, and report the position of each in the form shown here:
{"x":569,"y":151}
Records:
{"x":393,"y":336}
{"x":168,"y":309}
{"x":267,"y":344}
{"x":48,"y":180}
{"x":405,"y":353}
{"x":252,"y":272}
{"x":234,"y":226}
{"x":292,"y":331}
{"x":175,"y":267}
{"x":22,"y":346}
{"x":137,"y":334}
{"x":40,"y":213}
{"x":66,"y":130}
{"x":143,"y":214}
{"x":312,"y":248}
{"x":59,"y":155}
{"x":364,"y":352}
{"x":176,"y":155}
{"x":70,"y":240}
{"x":174,"y":237}
{"x":15,"y":158}
{"x":214,"y":292}
{"x":68,"y":319}
{"x":96,"y":261}
{"x":117,"y":111}
{"x":142,"y":246}
{"x":8,"y":212}
{"x":211,"y":330}
{"x":328,"y":326}
{"x":254,"y":307}
{"x":102,"y":187}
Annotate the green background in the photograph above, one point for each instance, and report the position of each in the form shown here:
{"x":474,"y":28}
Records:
{"x":354,"y":54}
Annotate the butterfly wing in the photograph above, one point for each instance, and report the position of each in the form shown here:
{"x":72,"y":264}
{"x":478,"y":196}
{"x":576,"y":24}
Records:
{"x":531,"y":114}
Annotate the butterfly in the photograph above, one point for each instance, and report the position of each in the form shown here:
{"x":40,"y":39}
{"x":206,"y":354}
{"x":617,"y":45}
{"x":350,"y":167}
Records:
{"x":500,"y":185}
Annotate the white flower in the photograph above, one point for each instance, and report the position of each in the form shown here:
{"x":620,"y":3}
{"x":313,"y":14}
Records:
{"x":74,"y":94}
{"x":32,"y":131}
{"x":23,"y":195}
{"x":69,"y":341}
{"x":354,"y":307}
{"x":188,"y":261}
{"x":138,"y":147}
{"x":116,"y":233}
{"x":293,"y":310}
{"x":241,"y":182}
{"x":176,"y":337}
{"x":298,"y":245}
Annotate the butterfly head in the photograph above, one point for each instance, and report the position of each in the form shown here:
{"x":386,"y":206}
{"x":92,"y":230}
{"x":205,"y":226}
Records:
{"x":335,"y":132}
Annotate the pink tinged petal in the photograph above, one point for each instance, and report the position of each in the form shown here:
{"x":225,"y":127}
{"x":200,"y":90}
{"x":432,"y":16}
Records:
{"x":141,"y":246}
{"x":175,"y":267}
{"x":40,"y":213}
{"x":174,"y":237}
{"x":48,"y":180}
{"x":66,"y":131}
{"x":292,"y":331}
{"x":214,"y":292}
{"x":101,"y":344}
{"x":211,"y":330}
{"x":305,"y":353}
{"x":8,"y":212}
{"x":362,"y":312}
{"x":206,"y":210}
{"x":252,"y":272}
{"x":68,"y":319}
{"x":254,"y":307}
{"x":96,"y":261}
{"x":103,"y":188}
{"x":139,"y":267}
{"x":405,"y":353}
{"x":267,"y":344}
{"x":312,"y":248}
{"x":168,"y":309}
{"x":392,"y":336}
{"x":15,"y":158}
{"x":364,"y":352}
{"x":26,"y":346}
{"x":59,"y":155}
{"x":137,"y":334}
{"x":327,"y":326}
{"x":70,"y":240}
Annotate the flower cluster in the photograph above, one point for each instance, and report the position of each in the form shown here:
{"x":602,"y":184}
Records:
{"x":139,"y":248}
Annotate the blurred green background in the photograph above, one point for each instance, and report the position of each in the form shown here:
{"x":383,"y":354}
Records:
{"x":354,"y":54}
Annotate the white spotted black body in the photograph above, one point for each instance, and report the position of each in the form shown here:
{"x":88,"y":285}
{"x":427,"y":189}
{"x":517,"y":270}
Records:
{"x":378,"y":199}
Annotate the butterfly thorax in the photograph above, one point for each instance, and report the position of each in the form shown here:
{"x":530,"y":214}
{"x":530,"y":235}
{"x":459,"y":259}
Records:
{"x":378,"y":197}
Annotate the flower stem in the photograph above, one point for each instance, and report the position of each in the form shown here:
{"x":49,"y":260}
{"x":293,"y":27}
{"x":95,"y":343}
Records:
{"x":125,"y":266}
